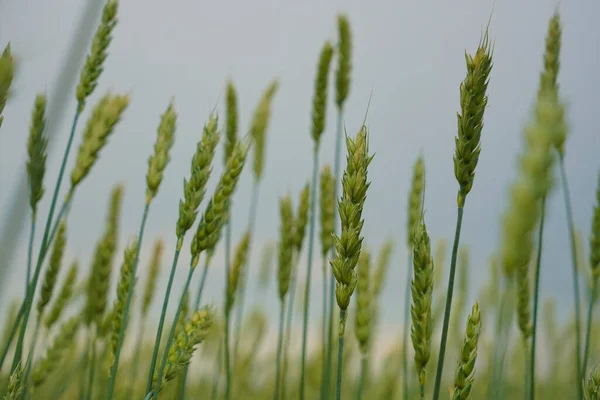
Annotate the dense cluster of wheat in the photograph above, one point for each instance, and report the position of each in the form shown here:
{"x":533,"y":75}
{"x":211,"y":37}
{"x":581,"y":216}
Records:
{"x":72,"y":344}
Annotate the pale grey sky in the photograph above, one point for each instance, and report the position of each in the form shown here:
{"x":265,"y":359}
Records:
{"x":411,"y":54}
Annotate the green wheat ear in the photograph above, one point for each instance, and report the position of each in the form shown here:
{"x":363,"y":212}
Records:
{"x":232,"y":121}
{"x":94,"y":63}
{"x":286,"y":246}
{"x":258,"y":128}
{"x":342,"y":78}
{"x":364,"y":297}
{"x":592,"y":388}
{"x":320,"y":94}
{"x":473,"y":101}
{"x":422,"y":292}
{"x":37,"y":152}
{"x":7,"y":70}
{"x":159,"y":160}
{"x":465,"y":370}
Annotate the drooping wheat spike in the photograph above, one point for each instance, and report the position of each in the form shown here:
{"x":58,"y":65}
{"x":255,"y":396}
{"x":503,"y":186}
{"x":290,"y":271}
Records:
{"x":155,"y":264}
{"x":50,"y":362}
{"x":364,"y":297}
{"x":125,"y":279}
{"x":7,"y":72}
{"x":232,"y":121}
{"x":327,"y":209}
{"x":239,"y":260}
{"x":422,"y":292}
{"x":195,"y":189}
{"x":180,"y":354}
{"x":102,"y":262}
{"x":53,"y":268}
{"x":415,"y":198}
{"x":287,"y":235}
{"x":595,"y":274}
{"x":37,"y":152}
{"x":64,"y":296}
{"x":159,"y":160}
{"x":94,"y":63}
{"x":473,"y":101}
{"x":301,"y":220}
{"x":383,"y":265}
{"x":348,"y":244}
{"x":465,"y":369}
{"x":342,"y":77}
{"x":320,"y":94}
{"x":105,"y":116}
{"x":592,"y":389}
{"x":258,"y":128}
{"x":209,"y":227}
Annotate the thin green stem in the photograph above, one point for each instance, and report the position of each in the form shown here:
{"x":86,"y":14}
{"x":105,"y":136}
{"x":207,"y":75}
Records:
{"x":90,"y":385}
{"x":536,"y":290}
{"x":440,"y":365}
{"x":163,"y":313}
{"x":338,"y":390}
{"x":279,"y":345}
{"x":241,"y":295}
{"x":324,"y":328}
{"x":311,"y":240}
{"x":30,"y":251}
{"x":407,"y":298}
{"x":363,"y":377}
{"x":115,"y":365}
{"x":288,"y":325}
{"x":590,"y":319}
{"x":337,"y":165}
{"x":13,"y":332}
{"x":165,"y":356}
{"x":569,"y":212}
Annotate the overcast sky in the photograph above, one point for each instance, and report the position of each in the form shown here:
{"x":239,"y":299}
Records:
{"x":410,"y":54}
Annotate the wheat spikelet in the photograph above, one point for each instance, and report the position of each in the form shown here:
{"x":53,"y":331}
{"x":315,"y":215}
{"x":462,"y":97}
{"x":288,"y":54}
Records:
{"x":415,"y":198}
{"x":465,"y":370}
{"x":258,"y":129}
{"x":65,"y":294}
{"x":232,"y":121}
{"x":239,"y":261}
{"x":473,"y":101}
{"x":342,"y":77}
{"x":327,"y":208}
{"x":195,"y":188}
{"x":159,"y":160}
{"x":363,"y":302}
{"x":285,"y":246}
{"x":37,"y":152}
{"x":94,"y":63}
{"x":320,"y":95}
{"x":7,"y":70}
{"x":56,"y":257}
